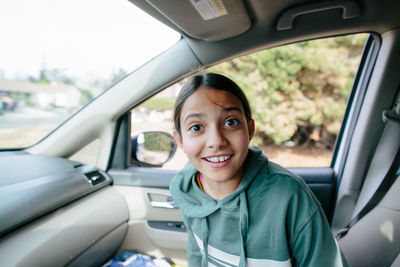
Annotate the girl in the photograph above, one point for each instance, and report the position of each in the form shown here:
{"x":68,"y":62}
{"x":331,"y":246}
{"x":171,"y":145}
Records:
{"x":239,"y":208}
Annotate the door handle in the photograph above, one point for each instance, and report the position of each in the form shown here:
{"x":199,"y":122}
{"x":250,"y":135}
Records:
{"x":161,"y":201}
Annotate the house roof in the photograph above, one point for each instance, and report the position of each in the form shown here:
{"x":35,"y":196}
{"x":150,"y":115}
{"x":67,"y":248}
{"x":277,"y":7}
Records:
{"x":29,"y":87}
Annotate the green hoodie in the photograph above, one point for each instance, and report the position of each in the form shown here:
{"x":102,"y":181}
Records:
{"x":272,"y":219}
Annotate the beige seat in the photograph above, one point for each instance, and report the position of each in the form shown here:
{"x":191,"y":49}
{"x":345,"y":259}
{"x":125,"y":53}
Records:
{"x":375,"y":239}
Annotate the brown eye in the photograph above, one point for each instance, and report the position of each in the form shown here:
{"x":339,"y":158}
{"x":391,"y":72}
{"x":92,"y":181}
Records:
{"x":195,"y":128}
{"x":231,"y":122}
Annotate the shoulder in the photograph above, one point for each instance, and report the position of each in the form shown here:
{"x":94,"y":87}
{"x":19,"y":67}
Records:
{"x":277,"y":182}
{"x":278,"y":191}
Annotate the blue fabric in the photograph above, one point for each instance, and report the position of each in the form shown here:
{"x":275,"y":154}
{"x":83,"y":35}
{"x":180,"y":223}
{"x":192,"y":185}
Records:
{"x":134,"y":259}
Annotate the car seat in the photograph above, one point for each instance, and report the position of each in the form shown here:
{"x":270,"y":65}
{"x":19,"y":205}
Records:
{"x":375,"y":239}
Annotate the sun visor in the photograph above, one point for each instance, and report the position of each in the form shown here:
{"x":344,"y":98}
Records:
{"x":210,"y":20}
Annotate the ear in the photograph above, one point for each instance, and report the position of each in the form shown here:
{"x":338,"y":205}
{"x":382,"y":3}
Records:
{"x":178,"y":138}
{"x":251,"y":128}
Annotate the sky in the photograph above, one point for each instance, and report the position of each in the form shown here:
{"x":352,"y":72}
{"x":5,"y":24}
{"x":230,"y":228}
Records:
{"x":82,"y":38}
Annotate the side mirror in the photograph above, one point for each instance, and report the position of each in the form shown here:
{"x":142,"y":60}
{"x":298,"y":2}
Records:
{"x":152,"y":148}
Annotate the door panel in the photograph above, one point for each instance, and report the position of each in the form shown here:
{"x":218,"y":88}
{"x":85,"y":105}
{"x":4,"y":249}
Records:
{"x":149,"y":238}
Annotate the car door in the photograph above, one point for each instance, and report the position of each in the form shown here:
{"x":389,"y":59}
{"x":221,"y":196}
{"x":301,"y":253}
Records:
{"x":155,"y":224}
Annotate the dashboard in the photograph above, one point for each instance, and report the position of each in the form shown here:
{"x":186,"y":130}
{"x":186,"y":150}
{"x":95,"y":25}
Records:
{"x":59,"y":208}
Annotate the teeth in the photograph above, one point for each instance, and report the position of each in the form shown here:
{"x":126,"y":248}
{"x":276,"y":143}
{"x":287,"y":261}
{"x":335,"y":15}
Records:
{"x":214,"y":159}
{"x":218,"y":159}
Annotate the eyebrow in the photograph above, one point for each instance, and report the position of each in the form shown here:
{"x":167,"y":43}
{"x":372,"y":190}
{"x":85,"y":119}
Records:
{"x":193,"y":115}
{"x":199,"y":115}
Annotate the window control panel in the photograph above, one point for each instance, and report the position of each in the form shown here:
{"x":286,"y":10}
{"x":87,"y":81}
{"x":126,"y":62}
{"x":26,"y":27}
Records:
{"x":95,"y":177}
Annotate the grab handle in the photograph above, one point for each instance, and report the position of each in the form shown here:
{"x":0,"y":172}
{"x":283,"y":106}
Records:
{"x":350,"y":10}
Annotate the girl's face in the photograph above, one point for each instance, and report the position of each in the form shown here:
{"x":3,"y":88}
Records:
{"x":215,"y":134}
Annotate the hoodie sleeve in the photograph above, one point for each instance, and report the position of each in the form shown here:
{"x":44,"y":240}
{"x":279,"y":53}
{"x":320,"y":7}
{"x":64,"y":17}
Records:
{"x":315,"y":245}
{"x":193,"y":251}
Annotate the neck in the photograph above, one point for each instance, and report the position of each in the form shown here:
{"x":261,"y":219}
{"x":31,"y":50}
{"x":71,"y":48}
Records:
{"x":219,"y":190}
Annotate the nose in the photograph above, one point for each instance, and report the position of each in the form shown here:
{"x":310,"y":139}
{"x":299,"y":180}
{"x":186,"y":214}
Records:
{"x":216,"y":138}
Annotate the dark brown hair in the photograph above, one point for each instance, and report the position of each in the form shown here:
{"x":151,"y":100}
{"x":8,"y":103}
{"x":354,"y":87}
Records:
{"x":212,"y":80}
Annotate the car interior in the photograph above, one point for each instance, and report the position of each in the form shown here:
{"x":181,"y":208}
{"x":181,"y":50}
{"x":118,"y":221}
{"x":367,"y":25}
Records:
{"x":56,"y":211}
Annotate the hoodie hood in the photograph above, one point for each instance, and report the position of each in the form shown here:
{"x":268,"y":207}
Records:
{"x":193,"y":202}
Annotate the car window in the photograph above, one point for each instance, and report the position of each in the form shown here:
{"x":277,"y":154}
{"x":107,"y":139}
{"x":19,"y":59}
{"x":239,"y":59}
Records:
{"x":298,"y":94}
{"x":56,"y":56}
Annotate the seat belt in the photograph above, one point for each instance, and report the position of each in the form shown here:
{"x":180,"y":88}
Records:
{"x":382,"y":171}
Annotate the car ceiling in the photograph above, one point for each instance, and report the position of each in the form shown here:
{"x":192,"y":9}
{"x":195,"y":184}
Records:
{"x":255,"y":26}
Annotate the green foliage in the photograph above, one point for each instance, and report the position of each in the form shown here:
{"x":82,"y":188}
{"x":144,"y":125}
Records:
{"x":159,"y":103}
{"x":298,"y":88}
{"x":47,"y":76}
{"x":155,"y":141}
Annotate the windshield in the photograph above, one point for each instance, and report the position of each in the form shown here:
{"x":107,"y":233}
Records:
{"x":55,"y":56}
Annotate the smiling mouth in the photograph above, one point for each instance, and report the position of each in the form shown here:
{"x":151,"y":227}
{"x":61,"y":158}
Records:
{"x":218,"y":159}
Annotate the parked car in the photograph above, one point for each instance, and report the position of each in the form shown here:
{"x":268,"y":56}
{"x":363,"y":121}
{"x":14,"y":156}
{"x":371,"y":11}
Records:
{"x":8,"y":104}
{"x":57,"y":210}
